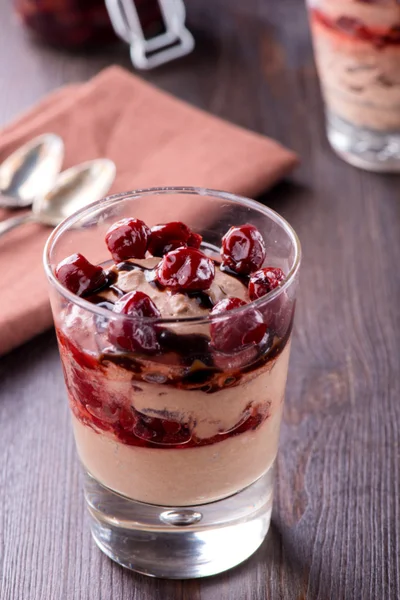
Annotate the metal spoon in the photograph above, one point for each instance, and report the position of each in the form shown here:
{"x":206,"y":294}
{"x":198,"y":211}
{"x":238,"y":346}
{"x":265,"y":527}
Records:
{"x":30,"y":171}
{"x":74,"y":188}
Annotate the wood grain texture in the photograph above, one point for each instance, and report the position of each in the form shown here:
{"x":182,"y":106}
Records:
{"x":336,"y":521}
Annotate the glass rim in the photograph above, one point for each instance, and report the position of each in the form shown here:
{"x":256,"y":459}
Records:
{"x":199,"y":191}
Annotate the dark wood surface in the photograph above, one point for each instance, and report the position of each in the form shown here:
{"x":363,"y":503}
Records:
{"x":336,"y":521}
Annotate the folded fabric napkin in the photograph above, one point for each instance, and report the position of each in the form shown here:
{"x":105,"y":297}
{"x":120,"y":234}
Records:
{"x":154,"y":139}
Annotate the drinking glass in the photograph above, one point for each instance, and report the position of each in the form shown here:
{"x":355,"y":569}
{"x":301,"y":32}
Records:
{"x":177,"y":448}
{"x":357,"y":50}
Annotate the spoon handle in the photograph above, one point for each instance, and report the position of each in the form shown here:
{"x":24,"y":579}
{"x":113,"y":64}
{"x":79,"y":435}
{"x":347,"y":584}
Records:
{"x":13,"y":222}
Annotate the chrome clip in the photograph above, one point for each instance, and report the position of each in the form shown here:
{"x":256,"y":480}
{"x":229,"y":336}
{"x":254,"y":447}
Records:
{"x":172,"y":38}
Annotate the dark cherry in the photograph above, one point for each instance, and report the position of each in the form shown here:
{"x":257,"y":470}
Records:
{"x":128,"y":238}
{"x":237,"y":331}
{"x":263,"y":281}
{"x":243,"y":249}
{"x":278,"y":314}
{"x":134,"y":335}
{"x":79,"y":276}
{"x":235,"y":361}
{"x":379,"y":37}
{"x":127,"y":418}
{"x":186,"y":269}
{"x":350,"y":24}
{"x":171,"y":236}
{"x":172,"y":245}
{"x":194,"y":240}
{"x":161,"y":431}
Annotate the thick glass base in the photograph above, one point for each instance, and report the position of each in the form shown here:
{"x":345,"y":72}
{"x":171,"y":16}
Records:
{"x":180,"y":542}
{"x":364,"y":148}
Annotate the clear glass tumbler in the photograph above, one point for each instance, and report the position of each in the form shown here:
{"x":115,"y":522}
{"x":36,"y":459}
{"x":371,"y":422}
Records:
{"x":178,"y":448}
{"x":357,"y":50}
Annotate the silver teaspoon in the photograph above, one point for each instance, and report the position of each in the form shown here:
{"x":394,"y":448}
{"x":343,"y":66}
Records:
{"x":30,"y":171}
{"x":74,"y":188}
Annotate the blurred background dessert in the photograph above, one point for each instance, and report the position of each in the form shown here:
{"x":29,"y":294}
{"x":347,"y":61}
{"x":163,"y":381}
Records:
{"x":357,"y":50}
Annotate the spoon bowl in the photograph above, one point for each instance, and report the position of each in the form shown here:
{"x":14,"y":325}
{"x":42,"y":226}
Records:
{"x":74,"y":188}
{"x":30,"y":171}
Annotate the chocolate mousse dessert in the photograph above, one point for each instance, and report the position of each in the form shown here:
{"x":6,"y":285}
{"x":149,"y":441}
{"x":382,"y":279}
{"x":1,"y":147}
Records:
{"x":357,"y":50}
{"x":357,"y":47}
{"x":175,"y":361}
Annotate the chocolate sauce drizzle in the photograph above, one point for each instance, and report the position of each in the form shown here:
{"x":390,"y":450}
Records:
{"x":203,"y":299}
{"x":131,"y":266}
{"x":225,"y":269}
{"x":196,"y":359}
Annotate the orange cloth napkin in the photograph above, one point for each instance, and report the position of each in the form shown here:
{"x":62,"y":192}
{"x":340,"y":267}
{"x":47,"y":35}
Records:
{"x":154,"y":139}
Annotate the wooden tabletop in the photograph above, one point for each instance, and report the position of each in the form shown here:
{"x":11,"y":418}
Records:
{"x":336,"y":520}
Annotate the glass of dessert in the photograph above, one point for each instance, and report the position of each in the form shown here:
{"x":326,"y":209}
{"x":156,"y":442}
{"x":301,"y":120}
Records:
{"x":357,"y":50}
{"x":174,"y":340}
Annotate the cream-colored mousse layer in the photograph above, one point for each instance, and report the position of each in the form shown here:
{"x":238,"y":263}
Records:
{"x":193,"y":475}
{"x":172,"y":304}
{"x":360,"y":82}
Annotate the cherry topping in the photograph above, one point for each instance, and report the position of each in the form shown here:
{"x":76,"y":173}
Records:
{"x":194,"y":240}
{"x":172,"y":245}
{"x":126,"y":418}
{"x":128,"y":238}
{"x":235,"y":332}
{"x":131,"y":334}
{"x":278,"y":314}
{"x":243,"y":249}
{"x":79,"y":276}
{"x":263,"y":281}
{"x":186,"y":269}
{"x":161,"y":431}
{"x":171,"y":236}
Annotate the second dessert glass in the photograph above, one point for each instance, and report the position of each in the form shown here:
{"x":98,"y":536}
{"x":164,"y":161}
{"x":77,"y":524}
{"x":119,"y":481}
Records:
{"x":357,"y":50}
{"x":178,"y":448}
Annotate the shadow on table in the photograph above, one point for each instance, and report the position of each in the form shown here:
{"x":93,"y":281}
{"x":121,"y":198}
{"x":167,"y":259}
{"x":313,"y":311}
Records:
{"x":279,"y":569}
{"x":274,"y":571}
